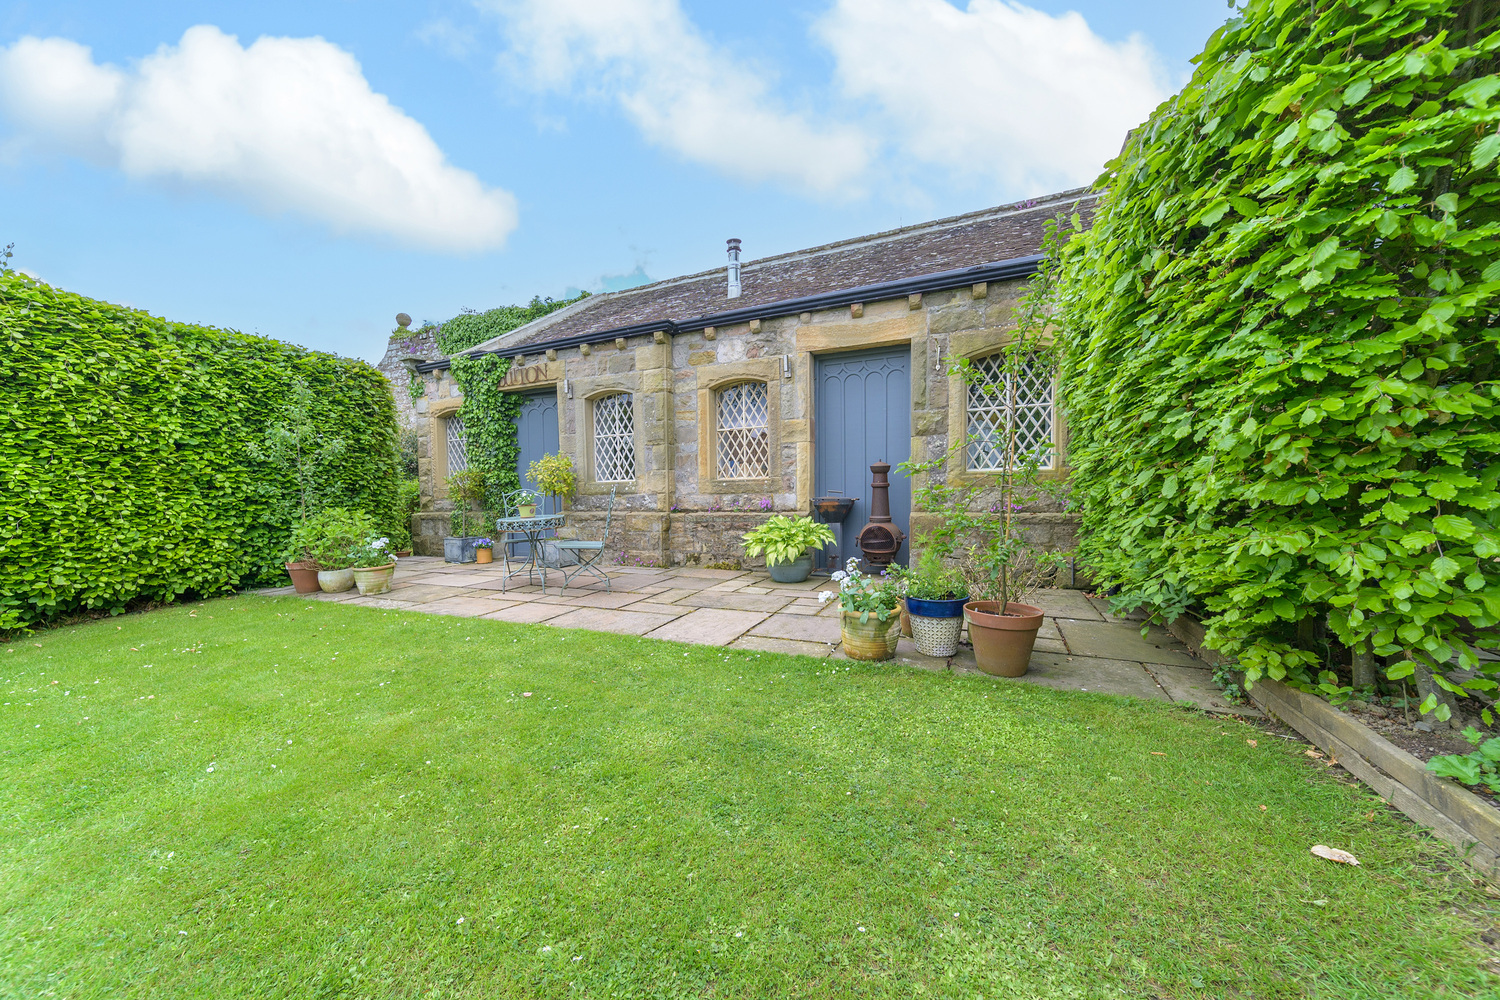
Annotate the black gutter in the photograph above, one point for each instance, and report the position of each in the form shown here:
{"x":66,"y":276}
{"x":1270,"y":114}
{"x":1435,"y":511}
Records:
{"x":1004,"y":270}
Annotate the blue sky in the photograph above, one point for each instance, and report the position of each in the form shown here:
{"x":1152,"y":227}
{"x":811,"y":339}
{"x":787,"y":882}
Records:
{"x":306,"y":171}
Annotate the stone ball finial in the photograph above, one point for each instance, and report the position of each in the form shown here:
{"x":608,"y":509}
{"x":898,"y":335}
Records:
{"x":403,"y":320}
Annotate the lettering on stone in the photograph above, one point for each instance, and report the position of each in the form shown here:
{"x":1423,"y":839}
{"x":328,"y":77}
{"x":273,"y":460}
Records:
{"x":533,"y":375}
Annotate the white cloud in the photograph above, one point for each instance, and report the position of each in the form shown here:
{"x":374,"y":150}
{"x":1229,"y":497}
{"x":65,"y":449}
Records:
{"x":680,"y":90}
{"x":997,"y":90}
{"x":288,"y":124}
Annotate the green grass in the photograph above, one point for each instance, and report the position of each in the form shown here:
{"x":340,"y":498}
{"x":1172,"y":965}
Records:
{"x":271,"y":797}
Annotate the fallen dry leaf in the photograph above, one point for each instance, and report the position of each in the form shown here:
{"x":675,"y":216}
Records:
{"x":1157,"y":753}
{"x":1252,"y":743}
{"x":525,"y":694}
{"x":1262,"y":808}
{"x":1313,"y":753}
{"x":1334,"y":854}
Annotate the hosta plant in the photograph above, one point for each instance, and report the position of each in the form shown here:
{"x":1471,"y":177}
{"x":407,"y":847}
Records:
{"x":784,"y":539}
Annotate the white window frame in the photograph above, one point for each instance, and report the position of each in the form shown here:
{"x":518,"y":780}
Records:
{"x":614,"y":438}
{"x":738,"y":423}
{"x":1034,"y":393}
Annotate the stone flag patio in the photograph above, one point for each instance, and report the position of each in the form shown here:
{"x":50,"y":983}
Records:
{"x":1081,"y":647}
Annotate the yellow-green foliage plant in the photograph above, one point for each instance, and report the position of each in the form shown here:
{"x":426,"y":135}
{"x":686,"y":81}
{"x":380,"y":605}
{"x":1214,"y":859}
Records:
{"x":1280,"y":368}
{"x":134,"y":458}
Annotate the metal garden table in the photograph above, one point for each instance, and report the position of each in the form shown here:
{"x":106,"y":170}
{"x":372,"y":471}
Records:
{"x":532,"y":528}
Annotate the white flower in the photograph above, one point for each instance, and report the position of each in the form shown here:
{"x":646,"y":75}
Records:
{"x":853,"y":564}
{"x":826,"y":596}
{"x":837,"y":575}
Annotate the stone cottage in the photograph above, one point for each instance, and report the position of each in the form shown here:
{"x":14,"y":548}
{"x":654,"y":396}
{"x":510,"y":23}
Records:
{"x":707,"y":402}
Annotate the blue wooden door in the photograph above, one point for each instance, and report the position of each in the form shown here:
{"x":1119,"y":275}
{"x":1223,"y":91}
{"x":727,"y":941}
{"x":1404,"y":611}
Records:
{"x":536,"y":433}
{"x":862,"y":415}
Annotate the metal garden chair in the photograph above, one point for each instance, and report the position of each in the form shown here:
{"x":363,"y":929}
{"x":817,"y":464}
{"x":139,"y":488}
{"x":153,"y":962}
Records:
{"x":580,"y":547}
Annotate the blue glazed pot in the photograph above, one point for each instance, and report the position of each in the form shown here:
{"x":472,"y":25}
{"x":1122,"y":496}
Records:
{"x":936,"y":609}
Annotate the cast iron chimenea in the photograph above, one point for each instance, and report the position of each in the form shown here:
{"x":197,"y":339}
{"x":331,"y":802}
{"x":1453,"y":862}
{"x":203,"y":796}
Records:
{"x":881,"y":538}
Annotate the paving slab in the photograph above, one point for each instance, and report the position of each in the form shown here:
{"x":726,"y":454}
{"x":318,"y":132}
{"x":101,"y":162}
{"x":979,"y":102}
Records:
{"x":441,"y":579}
{"x":421,"y":594}
{"x":1117,"y":641}
{"x":747,"y":589}
{"x":709,"y":626}
{"x":709,"y":574}
{"x":769,"y":644}
{"x":612,"y":599}
{"x":798,"y":609}
{"x":804,"y":628}
{"x":463,"y":607}
{"x":1078,"y":673}
{"x":530,"y":613}
{"x":1066,"y":604}
{"x":1195,"y":686}
{"x":734,"y":602}
{"x":382,"y":602}
{"x":610,"y":620}
{"x":672,"y":596}
{"x":1049,"y":646}
{"x":649,"y":606}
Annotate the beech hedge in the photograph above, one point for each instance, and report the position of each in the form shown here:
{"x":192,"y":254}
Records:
{"x":126,"y":453}
{"x":1280,"y":360}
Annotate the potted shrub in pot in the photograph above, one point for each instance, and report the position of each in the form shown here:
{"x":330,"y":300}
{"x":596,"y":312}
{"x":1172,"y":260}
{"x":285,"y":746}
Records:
{"x":787,"y":543}
{"x":466,"y":489}
{"x":935,"y":598}
{"x":301,"y":563}
{"x":553,"y":475}
{"x":484,"y":550}
{"x":1002,"y":627}
{"x":335,"y":534}
{"x":869,"y":620}
{"x":374,"y":565}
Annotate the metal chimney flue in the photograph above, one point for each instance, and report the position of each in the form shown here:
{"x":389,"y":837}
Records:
{"x":734,"y":269}
{"x":881,"y":538}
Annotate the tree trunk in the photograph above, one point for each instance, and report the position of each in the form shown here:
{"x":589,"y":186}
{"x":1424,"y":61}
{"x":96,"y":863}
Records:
{"x":1426,"y":686}
{"x":1363,"y":665}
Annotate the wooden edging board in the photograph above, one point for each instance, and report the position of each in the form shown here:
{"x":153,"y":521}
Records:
{"x":1451,"y":812}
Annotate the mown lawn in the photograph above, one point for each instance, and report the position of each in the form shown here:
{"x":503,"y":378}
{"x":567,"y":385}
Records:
{"x":276,"y":798}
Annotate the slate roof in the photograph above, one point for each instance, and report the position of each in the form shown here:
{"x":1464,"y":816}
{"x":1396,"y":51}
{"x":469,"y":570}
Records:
{"x":984,"y":237}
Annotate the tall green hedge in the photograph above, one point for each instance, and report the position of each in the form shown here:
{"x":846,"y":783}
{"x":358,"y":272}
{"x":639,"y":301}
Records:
{"x":126,"y":468}
{"x":1281,"y":363}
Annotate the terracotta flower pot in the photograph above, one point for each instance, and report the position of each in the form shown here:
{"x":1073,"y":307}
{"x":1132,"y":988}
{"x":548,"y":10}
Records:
{"x":484,"y":555}
{"x":870,"y":640}
{"x":304,"y":577}
{"x":905,"y":619}
{"x":374,"y":579}
{"x":1002,"y":642}
{"x":335,"y":581}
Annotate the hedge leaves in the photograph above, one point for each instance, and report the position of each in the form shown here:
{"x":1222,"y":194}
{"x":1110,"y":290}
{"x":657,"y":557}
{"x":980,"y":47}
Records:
{"x":126,"y":468}
{"x":1281,"y":364}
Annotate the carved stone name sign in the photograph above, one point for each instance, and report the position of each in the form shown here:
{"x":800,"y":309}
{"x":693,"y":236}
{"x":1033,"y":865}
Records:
{"x":528,"y":376}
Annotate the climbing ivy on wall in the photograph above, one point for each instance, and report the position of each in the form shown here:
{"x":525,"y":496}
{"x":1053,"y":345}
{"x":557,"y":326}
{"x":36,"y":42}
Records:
{"x":1280,"y":362}
{"x":129,"y":458}
{"x":469,"y":328}
{"x":490,"y":415}
{"x":490,"y":420}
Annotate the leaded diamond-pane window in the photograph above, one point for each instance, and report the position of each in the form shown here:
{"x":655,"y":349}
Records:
{"x":744,"y":433}
{"x":1028,"y":394}
{"x":458,"y":445}
{"x":614,"y":439}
